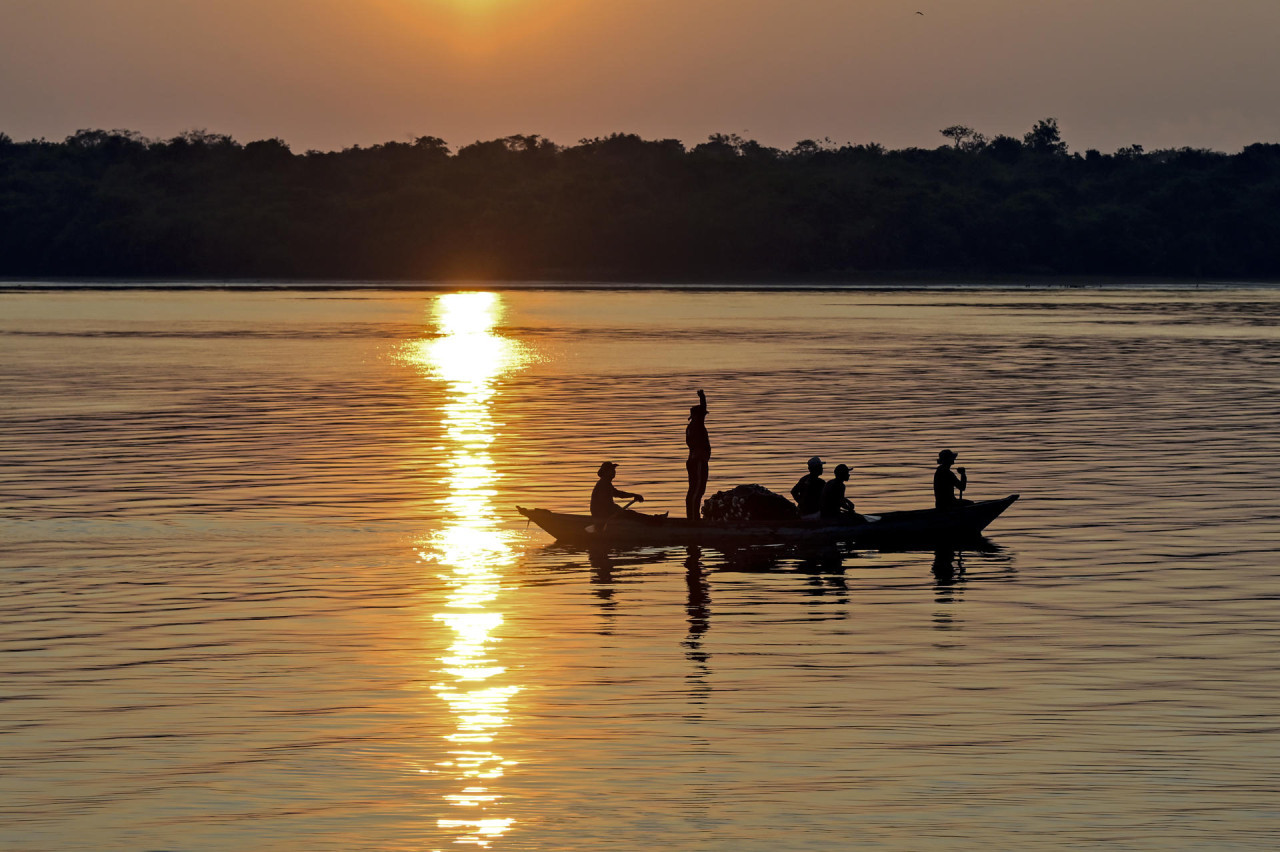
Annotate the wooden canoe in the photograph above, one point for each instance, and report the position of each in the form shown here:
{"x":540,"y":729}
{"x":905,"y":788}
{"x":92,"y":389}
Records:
{"x":920,"y":526}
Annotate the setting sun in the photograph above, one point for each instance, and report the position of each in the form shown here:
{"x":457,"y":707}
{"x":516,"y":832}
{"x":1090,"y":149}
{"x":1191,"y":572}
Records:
{"x":489,"y":30}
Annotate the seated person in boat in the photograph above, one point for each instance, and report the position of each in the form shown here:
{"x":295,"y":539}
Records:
{"x":808,"y":491}
{"x":945,"y":483}
{"x":835,"y":506}
{"x":602,"y":506}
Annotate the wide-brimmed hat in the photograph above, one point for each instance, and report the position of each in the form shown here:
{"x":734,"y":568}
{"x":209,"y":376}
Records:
{"x":606,"y":466}
{"x":946,"y":455}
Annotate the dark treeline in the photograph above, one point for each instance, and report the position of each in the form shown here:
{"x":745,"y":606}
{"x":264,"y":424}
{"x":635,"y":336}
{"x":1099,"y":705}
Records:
{"x":112,"y":203}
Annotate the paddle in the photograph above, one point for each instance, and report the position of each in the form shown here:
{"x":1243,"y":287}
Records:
{"x":591,"y":527}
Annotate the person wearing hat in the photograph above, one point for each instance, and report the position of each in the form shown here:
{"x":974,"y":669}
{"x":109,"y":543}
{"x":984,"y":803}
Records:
{"x":835,"y":506}
{"x":808,"y":491}
{"x":945,"y":482}
{"x":602,"y":506}
{"x":699,"y":443}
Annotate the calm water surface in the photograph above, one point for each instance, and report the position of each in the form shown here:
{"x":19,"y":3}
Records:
{"x":262,"y":583}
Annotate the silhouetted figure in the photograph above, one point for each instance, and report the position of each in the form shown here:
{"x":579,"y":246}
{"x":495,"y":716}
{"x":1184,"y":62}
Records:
{"x":699,"y":443}
{"x":808,"y":491}
{"x":945,"y":483}
{"x":835,"y":506}
{"x":603,"y":509}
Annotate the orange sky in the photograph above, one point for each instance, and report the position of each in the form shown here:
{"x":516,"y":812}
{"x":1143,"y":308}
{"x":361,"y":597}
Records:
{"x":331,"y":73}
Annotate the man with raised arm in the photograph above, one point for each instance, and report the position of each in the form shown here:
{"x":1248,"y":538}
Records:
{"x":699,"y":443}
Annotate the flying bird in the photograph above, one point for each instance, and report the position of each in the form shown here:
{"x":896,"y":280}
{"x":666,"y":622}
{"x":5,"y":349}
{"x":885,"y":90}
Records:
{"x":919,"y":13}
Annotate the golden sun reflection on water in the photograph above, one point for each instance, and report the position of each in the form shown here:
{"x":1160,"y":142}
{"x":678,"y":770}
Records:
{"x":469,"y":357}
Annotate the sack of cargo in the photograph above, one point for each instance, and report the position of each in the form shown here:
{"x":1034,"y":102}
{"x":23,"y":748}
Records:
{"x":748,"y":504}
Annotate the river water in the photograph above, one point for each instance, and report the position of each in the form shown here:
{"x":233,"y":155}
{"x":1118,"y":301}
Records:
{"x":263,"y":585}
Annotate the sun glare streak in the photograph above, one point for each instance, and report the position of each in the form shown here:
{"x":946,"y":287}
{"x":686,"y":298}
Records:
{"x":469,"y":358}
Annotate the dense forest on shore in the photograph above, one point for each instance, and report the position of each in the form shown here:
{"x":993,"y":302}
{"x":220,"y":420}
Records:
{"x":201,"y":205}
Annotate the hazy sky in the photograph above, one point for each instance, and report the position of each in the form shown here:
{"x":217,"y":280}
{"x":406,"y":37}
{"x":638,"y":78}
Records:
{"x":331,"y":73}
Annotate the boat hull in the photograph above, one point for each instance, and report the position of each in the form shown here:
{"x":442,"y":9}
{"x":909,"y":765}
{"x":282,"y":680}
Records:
{"x":921,"y":526}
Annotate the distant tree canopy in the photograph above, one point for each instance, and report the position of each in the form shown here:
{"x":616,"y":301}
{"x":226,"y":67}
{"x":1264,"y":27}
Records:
{"x":201,"y":205}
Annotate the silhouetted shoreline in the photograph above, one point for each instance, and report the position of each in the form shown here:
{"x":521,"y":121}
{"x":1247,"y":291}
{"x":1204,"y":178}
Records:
{"x":622,"y":210}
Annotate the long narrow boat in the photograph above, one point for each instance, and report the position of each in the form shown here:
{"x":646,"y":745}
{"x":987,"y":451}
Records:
{"x":922,"y":526}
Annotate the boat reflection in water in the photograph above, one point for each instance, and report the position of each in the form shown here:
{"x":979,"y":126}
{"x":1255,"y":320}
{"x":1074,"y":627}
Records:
{"x":469,"y":357}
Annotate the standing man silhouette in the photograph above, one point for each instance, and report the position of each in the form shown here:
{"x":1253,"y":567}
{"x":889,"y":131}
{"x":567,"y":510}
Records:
{"x":699,"y":443}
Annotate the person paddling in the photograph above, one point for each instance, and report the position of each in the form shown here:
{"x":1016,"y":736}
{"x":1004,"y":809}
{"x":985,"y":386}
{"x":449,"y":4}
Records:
{"x":808,"y":491}
{"x":945,"y":483}
{"x":835,"y":506}
{"x":603,"y":508}
{"x":699,"y":443}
